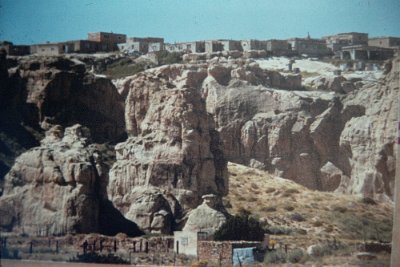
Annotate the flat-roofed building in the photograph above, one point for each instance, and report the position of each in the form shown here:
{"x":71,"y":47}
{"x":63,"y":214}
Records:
{"x":50,"y":49}
{"x":337,"y":41}
{"x":309,"y":46}
{"x":15,"y":50}
{"x":248,"y":45}
{"x":385,"y":42}
{"x":279,"y":47}
{"x":108,"y":40}
{"x":141,"y":44}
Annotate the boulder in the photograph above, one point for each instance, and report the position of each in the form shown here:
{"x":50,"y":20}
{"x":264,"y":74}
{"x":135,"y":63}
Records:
{"x":207,"y":217}
{"x":53,"y":189}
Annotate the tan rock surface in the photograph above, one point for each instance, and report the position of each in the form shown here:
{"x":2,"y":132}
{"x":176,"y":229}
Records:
{"x":53,"y":189}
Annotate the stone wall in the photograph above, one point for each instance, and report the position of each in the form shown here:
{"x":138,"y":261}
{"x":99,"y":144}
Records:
{"x":221,"y":252}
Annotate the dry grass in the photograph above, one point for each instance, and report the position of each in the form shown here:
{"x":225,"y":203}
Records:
{"x":325,"y":215}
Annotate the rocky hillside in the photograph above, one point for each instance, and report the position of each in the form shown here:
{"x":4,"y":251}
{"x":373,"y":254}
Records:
{"x":144,"y":152}
{"x":324,"y":140}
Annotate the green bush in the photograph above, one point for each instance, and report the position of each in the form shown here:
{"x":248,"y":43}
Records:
{"x":166,"y":58}
{"x":295,"y":256}
{"x":322,"y":250}
{"x":269,"y":209}
{"x":279,"y":230}
{"x":275,"y":257}
{"x":297,"y":217}
{"x":240,"y":227}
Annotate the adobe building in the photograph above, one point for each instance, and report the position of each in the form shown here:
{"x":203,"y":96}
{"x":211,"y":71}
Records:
{"x":139,"y":44}
{"x":50,"y":49}
{"x":279,"y":47}
{"x":155,"y":47}
{"x":385,"y":42}
{"x":211,"y":46}
{"x":309,"y":46}
{"x":81,"y":46}
{"x":365,"y":52}
{"x":108,"y":40}
{"x":186,"y":47}
{"x":221,"y":252}
{"x":248,"y":45}
{"x":14,"y":50}
{"x":337,"y":41}
{"x":231,"y":45}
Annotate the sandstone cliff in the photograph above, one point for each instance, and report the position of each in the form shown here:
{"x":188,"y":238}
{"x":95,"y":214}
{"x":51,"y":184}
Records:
{"x":60,"y":187}
{"x":183,"y":122}
{"x":173,"y":154}
{"x":41,"y":92}
{"x":311,"y":137}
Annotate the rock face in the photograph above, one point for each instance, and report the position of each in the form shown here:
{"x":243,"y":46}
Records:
{"x":318,"y":139}
{"x":207,"y":217}
{"x":60,"y":187}
{"x":63,"y":93}
{"x":183,"y":123}
{"x":41,"y":92}
{"x":173,"y":154}
{"x":53,"y":189}
{"x":368,"y":141}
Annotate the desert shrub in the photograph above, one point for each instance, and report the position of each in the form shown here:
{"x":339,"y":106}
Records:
{"x":279,"y":230}
{"x":227,"y":203}
{"x":119,"y":70}
{"x":339,"y":209}
{"x":300,"y":231}
{"x":199,"y":264}
{"x":295,"y":255}
{"x":368,"y":201}
{"x":166,"y":58}
{"x":270,"y":190}
{"x":254,"y":186}
{"x":289,"y":208}
{"x":289,"y":192}
{"x":297,"y":217}
{"x":240,"y":227}
{"x":241,"y":198}
{"x":94,"y":257}
{"x":275,"y":257}
{"x":321,"y":250}
{"x":292,"y":191}
{"x":317,"y":223}
{"x":269,"y":209}
{"x":252,"y":199}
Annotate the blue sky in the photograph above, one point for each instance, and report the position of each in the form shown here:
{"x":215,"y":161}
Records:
{"x":37,"y":21}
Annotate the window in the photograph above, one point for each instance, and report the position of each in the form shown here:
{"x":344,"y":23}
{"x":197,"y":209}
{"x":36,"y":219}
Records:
{"x":52,"y":48}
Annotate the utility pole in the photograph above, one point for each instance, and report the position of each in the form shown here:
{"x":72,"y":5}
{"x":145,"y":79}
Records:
{"x":395,"y":257}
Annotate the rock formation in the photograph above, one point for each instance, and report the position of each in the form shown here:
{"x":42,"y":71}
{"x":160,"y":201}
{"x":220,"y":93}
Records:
{"x":41,"y":92}
{"x":183,"y":123}
{"x":368,"y":142}
{"x":172,"y":156}
{"x":53,"y":189}
{"x":207,"y":217}
{"x":300,"y":135}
